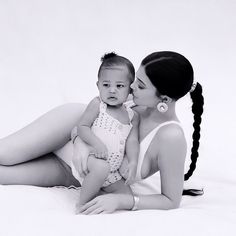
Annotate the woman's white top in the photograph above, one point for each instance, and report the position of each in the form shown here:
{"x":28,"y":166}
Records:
{"x":151,"y":184}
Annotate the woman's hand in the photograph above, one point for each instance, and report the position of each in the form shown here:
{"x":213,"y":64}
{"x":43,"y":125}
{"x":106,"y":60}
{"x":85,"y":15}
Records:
{"x":80,"y":156}
{"x":131,"y":175}
{"x":124,"y":168}
{"x":106,"y":203}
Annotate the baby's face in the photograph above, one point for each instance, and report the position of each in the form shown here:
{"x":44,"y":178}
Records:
{"x":114,"y":85}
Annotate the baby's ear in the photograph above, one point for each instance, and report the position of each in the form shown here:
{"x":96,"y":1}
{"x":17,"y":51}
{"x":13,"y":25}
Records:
{"x":97,"y":83}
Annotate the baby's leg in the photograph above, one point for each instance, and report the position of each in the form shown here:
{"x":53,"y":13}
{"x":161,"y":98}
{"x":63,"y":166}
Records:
{"x":118,"y":187}
{"x":98,"y":172}
{"x":46,"y":134}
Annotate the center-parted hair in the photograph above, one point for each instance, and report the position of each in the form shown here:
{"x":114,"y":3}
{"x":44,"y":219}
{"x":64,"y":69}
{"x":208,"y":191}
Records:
{"x":172,"y":75}
{"x":110,"y":60}
{"x":170,"y":72}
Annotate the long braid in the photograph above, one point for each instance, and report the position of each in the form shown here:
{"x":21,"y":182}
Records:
{"x":197,"y":109}
{"x":172,"y":75}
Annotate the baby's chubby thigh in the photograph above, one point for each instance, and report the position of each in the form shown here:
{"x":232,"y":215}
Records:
{"x":99,"y":167}
{"x":118,"y":187}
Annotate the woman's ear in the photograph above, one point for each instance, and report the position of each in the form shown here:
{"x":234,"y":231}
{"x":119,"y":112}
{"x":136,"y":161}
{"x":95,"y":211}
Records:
{"x":97,"y":83}
{"x":166,"y":99}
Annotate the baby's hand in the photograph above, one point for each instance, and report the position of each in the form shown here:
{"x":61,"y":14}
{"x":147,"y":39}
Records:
{"x":132,"y":169}
{"x":100,"y":151}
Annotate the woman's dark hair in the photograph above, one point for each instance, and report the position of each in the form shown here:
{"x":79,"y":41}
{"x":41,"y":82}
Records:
{"x":112,"y":59}
{"x":172,"y":75}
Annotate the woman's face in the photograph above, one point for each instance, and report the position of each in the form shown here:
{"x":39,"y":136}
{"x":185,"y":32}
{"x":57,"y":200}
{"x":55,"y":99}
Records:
{"x":144,"y":92}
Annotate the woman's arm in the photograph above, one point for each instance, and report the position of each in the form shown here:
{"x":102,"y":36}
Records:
{"x":171,"y":159}
{"x":132,"y":149}
{"x":132,"y":143}
{"x":171,"y":153}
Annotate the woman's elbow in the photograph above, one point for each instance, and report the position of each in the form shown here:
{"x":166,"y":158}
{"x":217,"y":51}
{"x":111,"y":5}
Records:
{"x":173,"y":204}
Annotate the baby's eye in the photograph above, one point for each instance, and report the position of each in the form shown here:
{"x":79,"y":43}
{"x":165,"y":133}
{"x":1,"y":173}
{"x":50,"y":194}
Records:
{"x":120,"y":86}
{"x":105,"y":85}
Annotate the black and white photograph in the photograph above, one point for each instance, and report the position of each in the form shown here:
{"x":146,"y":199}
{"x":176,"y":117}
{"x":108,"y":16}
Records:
{"x":117,"y":117}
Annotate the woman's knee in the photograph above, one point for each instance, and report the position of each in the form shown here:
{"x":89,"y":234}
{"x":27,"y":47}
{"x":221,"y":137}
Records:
{"x":6,"y":159}
{"x":11,"y":154}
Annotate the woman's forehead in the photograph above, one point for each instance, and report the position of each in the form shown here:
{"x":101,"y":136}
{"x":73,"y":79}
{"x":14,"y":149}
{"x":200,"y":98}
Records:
{"x":142,"y":77}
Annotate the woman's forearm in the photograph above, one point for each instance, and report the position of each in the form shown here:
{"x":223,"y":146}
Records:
{"x":155,"y":201}
{"x":125,"y":201}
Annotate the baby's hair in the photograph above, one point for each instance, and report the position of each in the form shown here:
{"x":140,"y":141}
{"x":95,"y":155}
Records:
{"x":112,"y":59}
{"x":108,"y":55}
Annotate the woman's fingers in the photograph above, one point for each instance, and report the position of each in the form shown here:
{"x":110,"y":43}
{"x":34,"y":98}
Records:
{"x":128,"y":181}
{"x":84,"y":165}
{"x":88,"y":205}
{"x":96,"y":211}
{"x":79,"y":167}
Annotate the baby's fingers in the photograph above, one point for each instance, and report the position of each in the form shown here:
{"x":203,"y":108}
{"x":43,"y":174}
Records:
{"x":101,"y":155}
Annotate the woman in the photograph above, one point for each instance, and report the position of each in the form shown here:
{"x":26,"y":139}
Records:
{"x":162,"y":79}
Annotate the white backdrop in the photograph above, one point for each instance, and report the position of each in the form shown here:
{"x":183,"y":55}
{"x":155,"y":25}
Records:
{"x":49,"y":55}
{"x":50,"y":52}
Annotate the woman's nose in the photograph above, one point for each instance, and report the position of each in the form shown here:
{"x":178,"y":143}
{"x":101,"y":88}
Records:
{"x":132,"y":86}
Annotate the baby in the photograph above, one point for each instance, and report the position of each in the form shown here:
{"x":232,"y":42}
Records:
{"x":111,"y":130}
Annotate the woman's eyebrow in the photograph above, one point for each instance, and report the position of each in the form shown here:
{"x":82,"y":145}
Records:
{"x":139,"y":80}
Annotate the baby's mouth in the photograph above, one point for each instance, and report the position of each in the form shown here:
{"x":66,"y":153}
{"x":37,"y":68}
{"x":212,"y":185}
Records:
{"x":112,"y":98}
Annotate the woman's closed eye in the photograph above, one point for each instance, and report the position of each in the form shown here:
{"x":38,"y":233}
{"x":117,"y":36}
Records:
{"x":140,"y":86}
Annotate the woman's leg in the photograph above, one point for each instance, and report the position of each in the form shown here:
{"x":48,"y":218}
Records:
{"x":46,"y":134}
{"x":45,"y":171}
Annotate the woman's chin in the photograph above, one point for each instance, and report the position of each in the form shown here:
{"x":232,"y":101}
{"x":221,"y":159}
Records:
{"x":135,"y":100}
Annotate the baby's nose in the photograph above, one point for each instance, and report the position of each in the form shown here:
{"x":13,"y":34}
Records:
{"x":112,"y":89}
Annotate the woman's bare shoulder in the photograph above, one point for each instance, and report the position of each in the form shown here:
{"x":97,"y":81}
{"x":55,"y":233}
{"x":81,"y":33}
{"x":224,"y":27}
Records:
{"x":171,"y":141}
{"x":171,"y":132}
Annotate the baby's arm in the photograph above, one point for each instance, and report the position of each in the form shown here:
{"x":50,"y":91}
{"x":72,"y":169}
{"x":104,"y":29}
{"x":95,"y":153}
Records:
{"x":85,"y":132}
{"x":132,"y":149}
